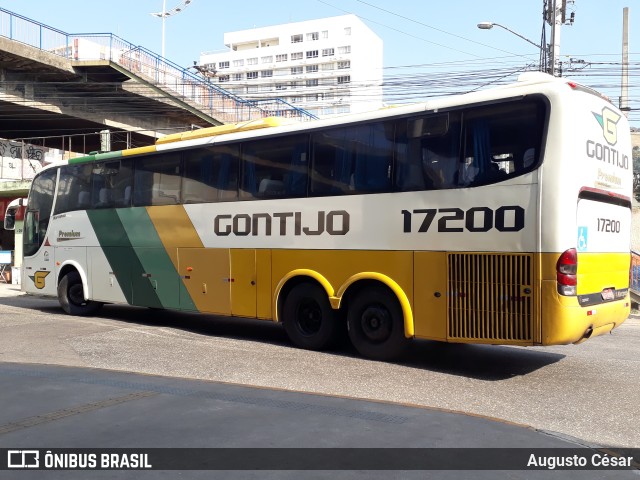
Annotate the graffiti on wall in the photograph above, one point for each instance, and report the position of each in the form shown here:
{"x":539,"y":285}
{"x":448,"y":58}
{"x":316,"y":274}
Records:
{"x":20,"y":161}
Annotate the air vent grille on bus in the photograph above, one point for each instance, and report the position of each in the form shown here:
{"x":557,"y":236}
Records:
{"x":489,"y":297}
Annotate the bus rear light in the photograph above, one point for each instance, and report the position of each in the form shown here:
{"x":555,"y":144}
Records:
{"x":566,"y":270}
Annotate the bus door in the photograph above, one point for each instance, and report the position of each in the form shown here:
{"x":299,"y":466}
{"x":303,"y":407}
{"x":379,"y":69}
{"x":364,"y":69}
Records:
{"x":40,"y":269}
{"x":38,"y":253}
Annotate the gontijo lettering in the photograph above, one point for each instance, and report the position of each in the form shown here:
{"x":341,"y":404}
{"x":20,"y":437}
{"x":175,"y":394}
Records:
{"x":335,"y":222}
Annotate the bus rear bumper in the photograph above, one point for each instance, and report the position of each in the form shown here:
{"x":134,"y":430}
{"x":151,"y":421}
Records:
{"x":564,"y":321}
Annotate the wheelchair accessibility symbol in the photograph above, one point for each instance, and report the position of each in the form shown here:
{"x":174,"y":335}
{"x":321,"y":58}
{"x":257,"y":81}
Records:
{"x":583,"y":233}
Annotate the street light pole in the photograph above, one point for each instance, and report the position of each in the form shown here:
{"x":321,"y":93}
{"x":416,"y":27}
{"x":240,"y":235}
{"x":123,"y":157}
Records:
{"x":490,"y":25}
{"x":168,"y":13}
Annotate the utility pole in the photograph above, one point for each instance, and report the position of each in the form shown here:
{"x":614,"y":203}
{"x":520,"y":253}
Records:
{"x":624,"y":93}
{"x":556,"y":16}
{"x":556,"y":19}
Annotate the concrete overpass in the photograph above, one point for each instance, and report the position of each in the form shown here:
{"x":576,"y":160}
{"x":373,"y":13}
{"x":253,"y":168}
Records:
{"x":59,"y":90}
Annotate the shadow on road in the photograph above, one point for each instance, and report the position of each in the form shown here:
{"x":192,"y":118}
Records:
{"x":482,"y":362}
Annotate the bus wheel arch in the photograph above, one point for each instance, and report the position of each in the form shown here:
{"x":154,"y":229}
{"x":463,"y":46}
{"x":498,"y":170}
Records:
{"x":304,"y":308}
{"x":71,"y":288}
{"x":379,"y":316}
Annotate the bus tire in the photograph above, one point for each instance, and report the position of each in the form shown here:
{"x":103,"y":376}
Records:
{"x":71,"y":296}
{"x":308,"y":318}
{"x":376,"y":324}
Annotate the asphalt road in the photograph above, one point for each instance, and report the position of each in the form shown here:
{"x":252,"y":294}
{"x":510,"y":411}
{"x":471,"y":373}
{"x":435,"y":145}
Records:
{"x":589,"y":392}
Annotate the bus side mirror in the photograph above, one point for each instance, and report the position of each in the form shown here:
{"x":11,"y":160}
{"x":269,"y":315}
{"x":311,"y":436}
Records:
{"x":10,"y":219}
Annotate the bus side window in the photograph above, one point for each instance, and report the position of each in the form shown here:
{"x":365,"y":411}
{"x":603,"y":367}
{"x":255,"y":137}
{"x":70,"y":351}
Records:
{"x":427,"y":152}
{"x":157,"y":180}
{"x":275,"y":168}
{"x":353,"y":160}
{"x":501,"y":141}
{"x":73,"y":188}
{"x":111,"y":184}
{"x":210,"y":174}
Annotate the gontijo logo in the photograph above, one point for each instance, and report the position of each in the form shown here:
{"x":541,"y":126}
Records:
{"x":608,"y":120}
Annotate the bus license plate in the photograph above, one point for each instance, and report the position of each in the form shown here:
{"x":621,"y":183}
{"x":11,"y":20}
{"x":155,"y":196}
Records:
{"x":608,"y":294}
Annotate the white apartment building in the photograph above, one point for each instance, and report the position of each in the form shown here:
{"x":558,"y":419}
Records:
{"x":327,"y":66}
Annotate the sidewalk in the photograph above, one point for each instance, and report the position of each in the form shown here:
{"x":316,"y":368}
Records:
{"x":9,"y":290}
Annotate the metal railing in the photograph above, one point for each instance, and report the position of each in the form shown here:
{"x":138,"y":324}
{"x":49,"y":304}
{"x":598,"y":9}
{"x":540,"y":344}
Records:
{"x":162,"y":73}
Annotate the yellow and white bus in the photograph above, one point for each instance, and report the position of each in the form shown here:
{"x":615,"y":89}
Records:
{"x":499,"y":217}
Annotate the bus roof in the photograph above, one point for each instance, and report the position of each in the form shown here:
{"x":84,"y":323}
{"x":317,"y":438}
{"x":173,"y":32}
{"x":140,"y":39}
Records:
{"x":528,"y":82}
{"x":228,"y":128}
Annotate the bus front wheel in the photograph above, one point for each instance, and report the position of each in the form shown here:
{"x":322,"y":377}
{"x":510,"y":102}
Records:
{"x":376,"y":324}
{"x":308,"y":318}
{"x":71,"y":296}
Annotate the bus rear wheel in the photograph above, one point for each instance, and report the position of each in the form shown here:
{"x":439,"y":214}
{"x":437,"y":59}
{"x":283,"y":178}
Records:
{"x":376,"y":324}
{"x":71,"y":296}
{"x":308,"y":318}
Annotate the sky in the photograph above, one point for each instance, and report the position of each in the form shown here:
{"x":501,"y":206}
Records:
{"x":421,"y":37}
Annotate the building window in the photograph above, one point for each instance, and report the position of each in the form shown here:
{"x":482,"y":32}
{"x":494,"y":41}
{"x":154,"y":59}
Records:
{"x":312,"y":54}
{"x":328,"y":52}
{"x":296,"y":38}
{"x":296,"y":99}
{"x":266,"y":73}
{"x":343,"y":65}
{"x":327,"y":67}
{"x":296,"y":70}
{"x":296,"y":56}
{"x":210,"y":66}
{"x":344,"y":79}
{"x":223,"y":78}
{"x":238,"y":63}
{"x":281,"y":58}
{"x":252,"y":75}
{"x":347,"y":31}
{"x":252,"y":61}
{"x":325,"y":34}
{"x":267,"y":59}
{"x":313,"y":36}
{"x":344,"y":50}
{"x":222,"y":65}
{"x":312,"y":83}
{"x":252,"y":89}
{"x":281,"y":86}
{"x":238,"y":77}
{"x":312,"y":68}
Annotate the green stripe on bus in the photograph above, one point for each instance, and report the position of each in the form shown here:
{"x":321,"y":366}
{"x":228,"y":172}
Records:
{"x":123,"y":258}
{"x":117,"y":248}
{"x":96,"y":157}
{"x":108,"y":155}
{"x":158,"y":269}
{"x":86,"y":159}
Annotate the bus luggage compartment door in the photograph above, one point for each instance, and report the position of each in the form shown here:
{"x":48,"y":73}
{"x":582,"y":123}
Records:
{"x":206,"y":275}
